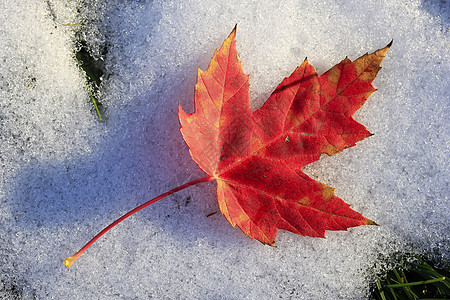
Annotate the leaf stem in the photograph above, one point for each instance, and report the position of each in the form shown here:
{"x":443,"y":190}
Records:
{"x":70,"y":260}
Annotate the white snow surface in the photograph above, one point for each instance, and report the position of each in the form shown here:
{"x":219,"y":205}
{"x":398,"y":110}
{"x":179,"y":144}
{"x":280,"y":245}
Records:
{"x":65,"y":175}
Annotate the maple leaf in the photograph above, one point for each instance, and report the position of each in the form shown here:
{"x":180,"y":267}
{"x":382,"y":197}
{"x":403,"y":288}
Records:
{"x":256,"y":157}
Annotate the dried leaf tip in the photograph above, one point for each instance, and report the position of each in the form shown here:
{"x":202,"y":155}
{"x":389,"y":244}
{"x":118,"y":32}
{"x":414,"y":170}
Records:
{"x":370,"y":222}
{"x":233,"y":32}
{"x":390,"y":44}
{"x":382,"y":52}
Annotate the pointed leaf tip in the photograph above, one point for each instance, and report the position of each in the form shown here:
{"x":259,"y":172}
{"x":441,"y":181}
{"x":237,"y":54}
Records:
{"x":370,"y":222}
{"x":233,"y":32}
{"x":390,"y":44}
{"x":382,"y":52}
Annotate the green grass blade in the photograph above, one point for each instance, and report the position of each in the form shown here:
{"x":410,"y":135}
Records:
{"x":381,"y":291}
{"x":95,"y":105}
{"x":408,"y":284}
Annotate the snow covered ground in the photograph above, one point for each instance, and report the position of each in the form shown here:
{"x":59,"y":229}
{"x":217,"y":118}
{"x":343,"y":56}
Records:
{"x":65,"y":175}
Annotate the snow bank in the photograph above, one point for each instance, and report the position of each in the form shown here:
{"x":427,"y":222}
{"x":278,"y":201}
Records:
{"x":65,"y":175}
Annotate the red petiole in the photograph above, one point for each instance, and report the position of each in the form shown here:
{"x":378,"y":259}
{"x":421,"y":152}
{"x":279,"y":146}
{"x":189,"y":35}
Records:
{"x":70,"y":260}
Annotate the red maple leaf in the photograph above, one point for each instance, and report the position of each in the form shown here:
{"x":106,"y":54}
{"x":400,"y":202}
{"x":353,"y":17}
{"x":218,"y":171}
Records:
{"x":256,"y":157}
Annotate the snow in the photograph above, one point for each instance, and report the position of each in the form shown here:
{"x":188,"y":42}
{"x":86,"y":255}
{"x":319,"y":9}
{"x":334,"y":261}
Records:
{"x":65,"y":175}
